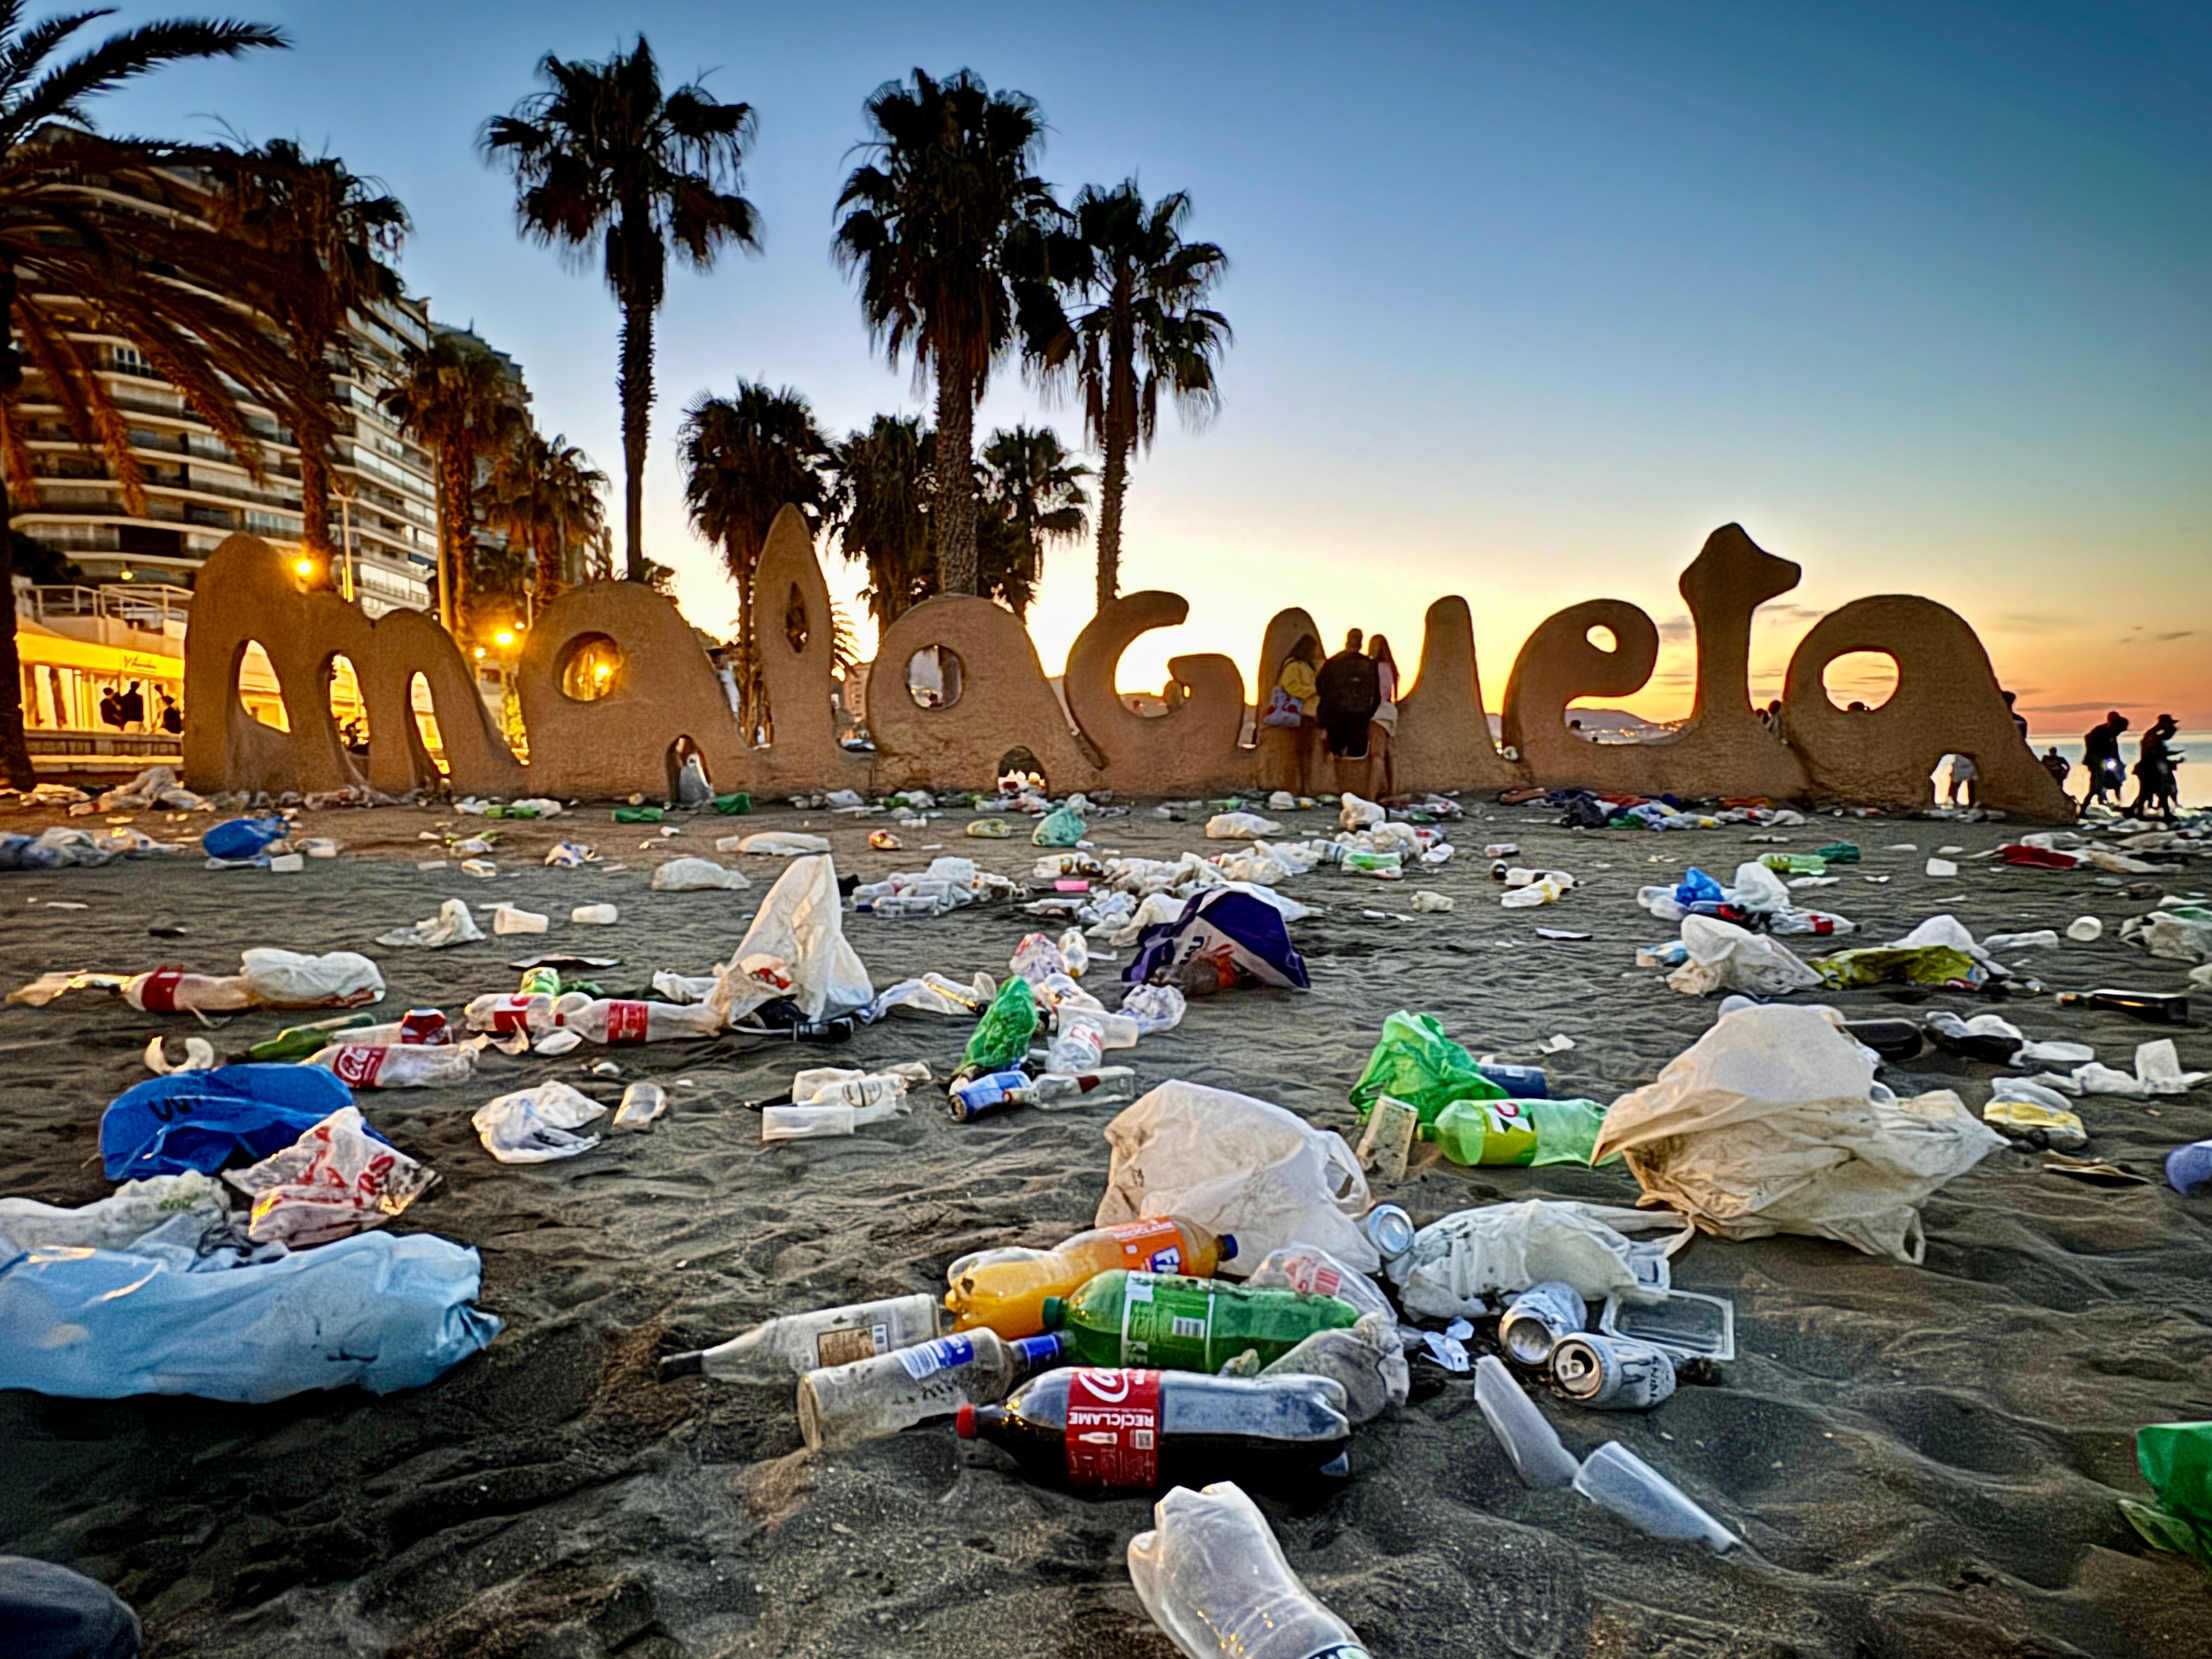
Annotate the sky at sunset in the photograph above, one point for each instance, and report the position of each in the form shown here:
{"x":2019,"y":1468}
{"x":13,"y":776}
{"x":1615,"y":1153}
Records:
{"x":1528,"y":298}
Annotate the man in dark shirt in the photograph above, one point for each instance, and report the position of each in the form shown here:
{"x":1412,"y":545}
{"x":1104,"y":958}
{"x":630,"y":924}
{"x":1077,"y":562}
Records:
{"x":1350,"y":690}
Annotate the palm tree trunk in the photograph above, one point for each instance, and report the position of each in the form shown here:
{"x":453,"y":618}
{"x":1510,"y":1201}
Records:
{"x":460,"y":541}
{"x":314,"y":437}
{"x":1110,"y":490}
{"x":14,"y":753}
{"x":634,"y":384}
{"x":746,"y":654}
{"x":955,"y":481}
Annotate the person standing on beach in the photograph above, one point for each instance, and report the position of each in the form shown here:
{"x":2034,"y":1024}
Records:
{"x":1383,"y":723}
{"x":2101,"y":754}
{"x":1351,"y":689}
{"x":1296,"y":704}
{"x":2057,"y":765}
{"x":2154,"y":781}
{"x":2019,"y":719}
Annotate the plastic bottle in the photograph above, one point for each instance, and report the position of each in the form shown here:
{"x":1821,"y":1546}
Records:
{"x":1075,"y":950}
{"x":1519,"y":1132}
{"x":1002,"y":1035}
{"x":843,"y":1405}
{"x":642,"y":1102}
{"x":510,"y":1011}
{"x":795,"y":1344}
{"x":172,"y":990}
{"x":540,"y":981}
{"x":616,"y":1022}
{"x":1214,"y":1578}
{"x":1520,"y":1082}
{"x":1117,"y":1430}
{"x":1003,"y":1091}
{"x":398,"y":1065}
{"x":1121,"y":1318}
{"x":298,"y":1041}
{"x":2160,"y":1008}
{"x":871,"y":1088}
{"x":1078,"y":1047}
{"x":1005,"y":1290}
{"x":823,"y":1120}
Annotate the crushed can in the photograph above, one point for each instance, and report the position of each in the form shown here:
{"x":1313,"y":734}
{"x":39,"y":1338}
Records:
{"x":1538,"y":1319}
{"x":1610,"y":1373}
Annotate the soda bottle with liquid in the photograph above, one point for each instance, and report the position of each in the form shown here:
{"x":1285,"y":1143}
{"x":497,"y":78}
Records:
{"x":298,"y":1041}
{"x":1122,"y":1318}
{"x":1214,"y":1578}
{"x":795,"y":1344}
{"x":2160,"y":1008}
{"x":1005,"y":1290}
{"x":1114,"y":1430}
{"x":867,"y":1399}
{"x":1519,"y":1132}
{"x":616,"y":1022}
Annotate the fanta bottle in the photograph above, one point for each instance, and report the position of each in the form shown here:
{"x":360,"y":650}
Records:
{"x":1003,"y":1290}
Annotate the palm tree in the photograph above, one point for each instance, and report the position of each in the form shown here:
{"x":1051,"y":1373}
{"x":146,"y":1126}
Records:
{"x":604,"y":162}
{"x":933,"y":224}
{"x":542,"y":494}
{"x":744,"y":458}
{"x":881,"y":508}
{"x":54,"y":242}
{"x":1143,"y":327}
{"x":1038,"y":487}
{"x":454,"y":396}
{"x":329,"y":234}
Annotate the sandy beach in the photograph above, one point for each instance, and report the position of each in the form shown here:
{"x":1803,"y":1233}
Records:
{"x":1921,"y":1461}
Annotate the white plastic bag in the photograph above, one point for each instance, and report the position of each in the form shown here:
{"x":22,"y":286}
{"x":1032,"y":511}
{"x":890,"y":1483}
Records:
{"x":696,"y":875}
{"x":1234,"y":1165}
{"x":1771,"y":1122}
{"x":334,"y":1180}
{"x":779,"y":843}
{"x":1240,"y":826}
{"x":1726,"y":958}
{"x":1757,"y":888}
{"x":795,"y":947}
{"x":453,"y":925}
{"x":130,"y":1211}
{"x":1354,"y":813}
{"x":531,"y":1126}
{"x":1465,"y":1263}
{"x":284,"y":979}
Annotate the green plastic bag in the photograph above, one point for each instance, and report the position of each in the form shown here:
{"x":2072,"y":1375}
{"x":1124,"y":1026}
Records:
{"x":1910,"y":965}
{"x":1002,"y":1035}
{"x":1417,"y":1063}
{"x":638,"y":815}
{"x":1059,"y":828}
{"x":2176,"y":1458}
{"x":735,"y":805}
{"x":1839,"y":851}
{"x":1519,"y":1132}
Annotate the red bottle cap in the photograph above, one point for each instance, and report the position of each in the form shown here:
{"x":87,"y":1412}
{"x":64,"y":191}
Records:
{"x":964,"y":1423}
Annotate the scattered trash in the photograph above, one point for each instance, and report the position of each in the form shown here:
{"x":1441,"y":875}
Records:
{"x":452,"y":926}
{"x":336,"y":1179}
{"x":641,"y":1101}
{"x":595,"y":915}
{"x":696,"y":875}
{"x":2084,"y":929}
{"x":532,"y":1126}
{"x":1615,"y":1478}
{"x":199,"y":1119}
{"x":1213,"y":1578}
{"x":795,"y":1344}
{"x":841,"y":1406}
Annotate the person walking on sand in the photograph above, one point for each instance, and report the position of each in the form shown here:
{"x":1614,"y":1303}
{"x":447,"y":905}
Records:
{"x":1351,"y":689}
{"x":1294,"y":704}
{"x":1383,"y":723}
{"x":2100,"y":755}
{"x":1964,"y":772}
{"x":2154,"y":783}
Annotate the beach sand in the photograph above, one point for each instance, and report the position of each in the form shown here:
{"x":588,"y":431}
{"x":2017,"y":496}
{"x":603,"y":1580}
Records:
{"x":1921,"y":1461}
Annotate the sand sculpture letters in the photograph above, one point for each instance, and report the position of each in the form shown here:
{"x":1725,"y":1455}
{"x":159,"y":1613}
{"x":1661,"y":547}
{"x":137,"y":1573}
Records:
{"x":611,"y":679}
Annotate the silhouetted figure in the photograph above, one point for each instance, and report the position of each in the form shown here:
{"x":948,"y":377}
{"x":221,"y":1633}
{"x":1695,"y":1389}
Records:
{"x":1383,"y":723}
{"x":173,"y":718}
{"x":2101,"y":754}
{"x":132,"y":706}
{"x":1296,"y":704}
{"x":2018,"y":719}
{"x":2154,"y":764}
{"x":1351,"y":689}
{"x":2057,"y":765}
{"x":110,"y":708}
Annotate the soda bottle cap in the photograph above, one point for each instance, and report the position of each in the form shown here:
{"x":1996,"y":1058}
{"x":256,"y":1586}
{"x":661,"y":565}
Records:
{"x":1228,"y":1247}
{"x":1054,"y":1312}
{"x":963,"y":1422}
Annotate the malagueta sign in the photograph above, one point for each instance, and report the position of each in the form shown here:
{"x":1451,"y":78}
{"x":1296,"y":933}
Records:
{"x":615,"y":731}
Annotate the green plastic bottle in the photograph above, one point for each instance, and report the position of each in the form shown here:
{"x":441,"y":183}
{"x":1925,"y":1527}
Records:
{"x":1167,"y":1322}
{"x":1002,"y":1035}
{"x":1839,"y":851}
{"x":298,"y":1041}
{"x":638,"y":815}
{"x":733,"y":806}
{"x":1522,"y":1132}
{"x":1795,"y":864}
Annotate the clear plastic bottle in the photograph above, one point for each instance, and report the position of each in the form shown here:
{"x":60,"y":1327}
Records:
{"x":511,"y":1011}
{"x":398,"y":1065}
{"x":1078,"y":1046}
{"x":616,"y":1022}
{"x":172,"y":990}
{"x":1005,"y":1290}
{"x":1214,"y":1578}
{"x":642,"y":1102}
{"x":1136,"y":1430}
{"x":1003,"y":1091}
{"x":795,"y":1344}
{"x":820,"y":1120}
{"x":873,"y":1089}
{"x":867,"y":1399}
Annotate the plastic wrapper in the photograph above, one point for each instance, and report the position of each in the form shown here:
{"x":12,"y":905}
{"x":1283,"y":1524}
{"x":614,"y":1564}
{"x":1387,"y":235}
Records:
{"x":534,"y":1125}
{"x":334,"y":1179}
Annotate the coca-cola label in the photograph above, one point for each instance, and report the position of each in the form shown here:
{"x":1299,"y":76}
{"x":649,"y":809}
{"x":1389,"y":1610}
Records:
{"x":158,"y":995}
{"x":358,"y":1063}
{"x":626,"y":1022}
{"x":511,"y":1013}
{"x":925,"y":1359}
{"x":425,"y":1027}
{"x":1113,"y":1428}
{"x":1150,"y":1244}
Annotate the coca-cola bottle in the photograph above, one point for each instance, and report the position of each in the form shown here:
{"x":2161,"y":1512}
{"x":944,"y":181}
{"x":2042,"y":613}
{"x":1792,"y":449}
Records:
{"x":1098,"y":1430}
{"x":172,"y":990}
{"x":616,"y":1022}
{"x":398,"y":1065}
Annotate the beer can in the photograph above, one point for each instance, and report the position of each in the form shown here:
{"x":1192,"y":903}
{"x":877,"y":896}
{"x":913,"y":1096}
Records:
{"x":1612,"y":1374}
{"x":1390,"y":1229}
{"x":1537,"y":1319}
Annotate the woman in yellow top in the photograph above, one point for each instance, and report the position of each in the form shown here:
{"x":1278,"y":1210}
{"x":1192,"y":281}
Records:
{"x":1296,"y":683}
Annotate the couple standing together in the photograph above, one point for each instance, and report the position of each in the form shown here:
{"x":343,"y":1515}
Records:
{"x":1346,"y":708}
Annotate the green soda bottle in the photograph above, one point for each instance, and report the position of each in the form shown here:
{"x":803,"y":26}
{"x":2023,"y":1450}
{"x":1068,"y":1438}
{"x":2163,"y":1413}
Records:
{"x":298,"y":1041}
{"x":1356,"y":860}
{"x":1522,"y":1132}
{"x":1002,"y":1035}
{"x":1167,"y":1322}
{"x":1839,"y":852}
{"x":1795,"y":864}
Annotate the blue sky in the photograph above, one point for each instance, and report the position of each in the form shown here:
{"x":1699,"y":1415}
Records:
{"x":1528,"y":298}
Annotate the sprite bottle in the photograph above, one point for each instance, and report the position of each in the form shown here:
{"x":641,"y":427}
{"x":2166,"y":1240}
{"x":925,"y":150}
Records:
{"x":1522,"y":1132}
{"x":1169,"y":1323}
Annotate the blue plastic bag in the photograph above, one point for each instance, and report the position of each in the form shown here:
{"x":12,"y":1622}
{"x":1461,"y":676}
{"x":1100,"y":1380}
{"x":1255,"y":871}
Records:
{"x":1250,"y":929}
{"x":1696,"y":887}
{"x":243,"y":838}
{"x":196,"y":1120}
{"x":384,"y":1311}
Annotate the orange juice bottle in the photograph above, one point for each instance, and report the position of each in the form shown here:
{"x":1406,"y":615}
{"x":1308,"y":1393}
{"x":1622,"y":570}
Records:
{"x":1006,"y":1290}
